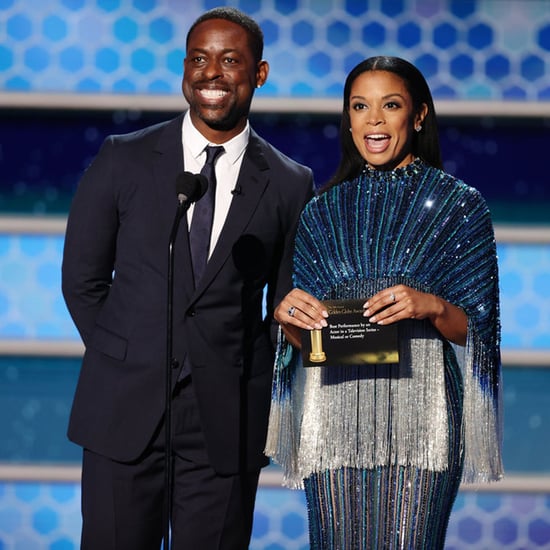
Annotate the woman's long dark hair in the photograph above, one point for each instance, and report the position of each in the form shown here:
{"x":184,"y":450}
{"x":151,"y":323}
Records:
{"x":425,"y":143}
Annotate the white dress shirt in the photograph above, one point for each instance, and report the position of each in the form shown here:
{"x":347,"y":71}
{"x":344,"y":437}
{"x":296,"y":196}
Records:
{"x":228,"y":165}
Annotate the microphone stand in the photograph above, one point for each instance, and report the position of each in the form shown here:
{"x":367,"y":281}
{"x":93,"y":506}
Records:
{"x":170,"y":362}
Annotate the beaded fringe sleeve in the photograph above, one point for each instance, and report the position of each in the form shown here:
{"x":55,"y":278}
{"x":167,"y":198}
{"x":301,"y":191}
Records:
{"x":421,"y":227}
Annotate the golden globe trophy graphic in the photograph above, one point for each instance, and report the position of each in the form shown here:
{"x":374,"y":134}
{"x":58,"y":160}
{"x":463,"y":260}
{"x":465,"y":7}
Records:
{"x":317,"y":355}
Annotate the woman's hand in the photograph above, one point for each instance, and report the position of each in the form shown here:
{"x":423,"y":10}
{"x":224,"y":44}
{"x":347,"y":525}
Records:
{"x":300,"y":310}
{"x":402,"y":302}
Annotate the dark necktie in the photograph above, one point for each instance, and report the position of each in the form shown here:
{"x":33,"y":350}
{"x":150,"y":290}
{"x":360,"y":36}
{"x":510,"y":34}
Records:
{"x":203,"y":214}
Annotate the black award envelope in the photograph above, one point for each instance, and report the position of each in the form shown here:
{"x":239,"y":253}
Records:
{"x":349,"y":338}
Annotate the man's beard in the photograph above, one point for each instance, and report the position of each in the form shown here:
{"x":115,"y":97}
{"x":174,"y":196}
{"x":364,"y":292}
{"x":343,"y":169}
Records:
{"x":223,"y":123}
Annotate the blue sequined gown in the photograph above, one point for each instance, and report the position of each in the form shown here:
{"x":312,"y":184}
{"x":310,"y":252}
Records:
{"x":381,"y":450}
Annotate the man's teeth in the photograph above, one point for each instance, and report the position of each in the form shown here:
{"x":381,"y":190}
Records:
{"x":213,"y":94}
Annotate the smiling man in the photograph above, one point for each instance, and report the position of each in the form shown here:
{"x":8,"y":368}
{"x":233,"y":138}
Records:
{"x":223,"y":66}
{"x":115,"y":280}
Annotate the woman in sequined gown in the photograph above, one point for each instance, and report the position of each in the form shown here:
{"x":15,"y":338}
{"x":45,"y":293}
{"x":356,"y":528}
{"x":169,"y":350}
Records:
{"x":382,"y":449}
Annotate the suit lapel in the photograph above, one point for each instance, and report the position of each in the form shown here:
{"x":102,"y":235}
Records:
{"x":167,"y":166}
{"x":252,"y":181}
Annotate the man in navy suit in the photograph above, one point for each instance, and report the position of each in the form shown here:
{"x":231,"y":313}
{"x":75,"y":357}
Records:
{"x":115,"y":271}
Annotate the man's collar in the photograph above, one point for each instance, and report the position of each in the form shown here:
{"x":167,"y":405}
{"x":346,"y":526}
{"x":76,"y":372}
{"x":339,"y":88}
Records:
{"x":196,"y":142}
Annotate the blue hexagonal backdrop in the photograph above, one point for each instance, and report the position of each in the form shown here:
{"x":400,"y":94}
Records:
{"x":46,"y":516}
{"x":31,"y":306}
{"x":468,"y":49}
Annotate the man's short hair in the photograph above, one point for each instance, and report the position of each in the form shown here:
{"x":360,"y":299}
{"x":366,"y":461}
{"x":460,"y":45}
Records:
{"x":255,"y":34}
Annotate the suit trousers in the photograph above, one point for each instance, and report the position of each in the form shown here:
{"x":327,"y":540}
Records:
{"x":122,"y":503}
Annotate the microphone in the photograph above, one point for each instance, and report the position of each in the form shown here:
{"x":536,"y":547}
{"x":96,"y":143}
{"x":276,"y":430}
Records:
{"x":190,"y":187}
{"x":237,"y":190}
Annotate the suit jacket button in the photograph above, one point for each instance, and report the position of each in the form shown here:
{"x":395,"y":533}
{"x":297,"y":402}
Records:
{"x":191,"y":313}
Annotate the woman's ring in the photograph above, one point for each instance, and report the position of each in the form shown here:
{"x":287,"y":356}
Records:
{"x":291,"y":311}
{"x":392,"y":297}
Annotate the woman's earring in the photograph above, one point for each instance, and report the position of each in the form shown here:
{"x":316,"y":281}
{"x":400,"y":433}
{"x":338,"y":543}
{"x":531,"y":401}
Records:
{"x":418,"y":128}
{"x":350,"y":129}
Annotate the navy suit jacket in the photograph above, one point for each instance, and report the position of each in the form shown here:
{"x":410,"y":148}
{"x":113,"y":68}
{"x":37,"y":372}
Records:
{"x":115,"y":267}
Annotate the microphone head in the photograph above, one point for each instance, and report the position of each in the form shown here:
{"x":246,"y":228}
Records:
{"x":190,"y":187}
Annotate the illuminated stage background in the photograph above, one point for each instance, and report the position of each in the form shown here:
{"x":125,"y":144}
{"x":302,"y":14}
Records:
{"x":73,"y":71}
